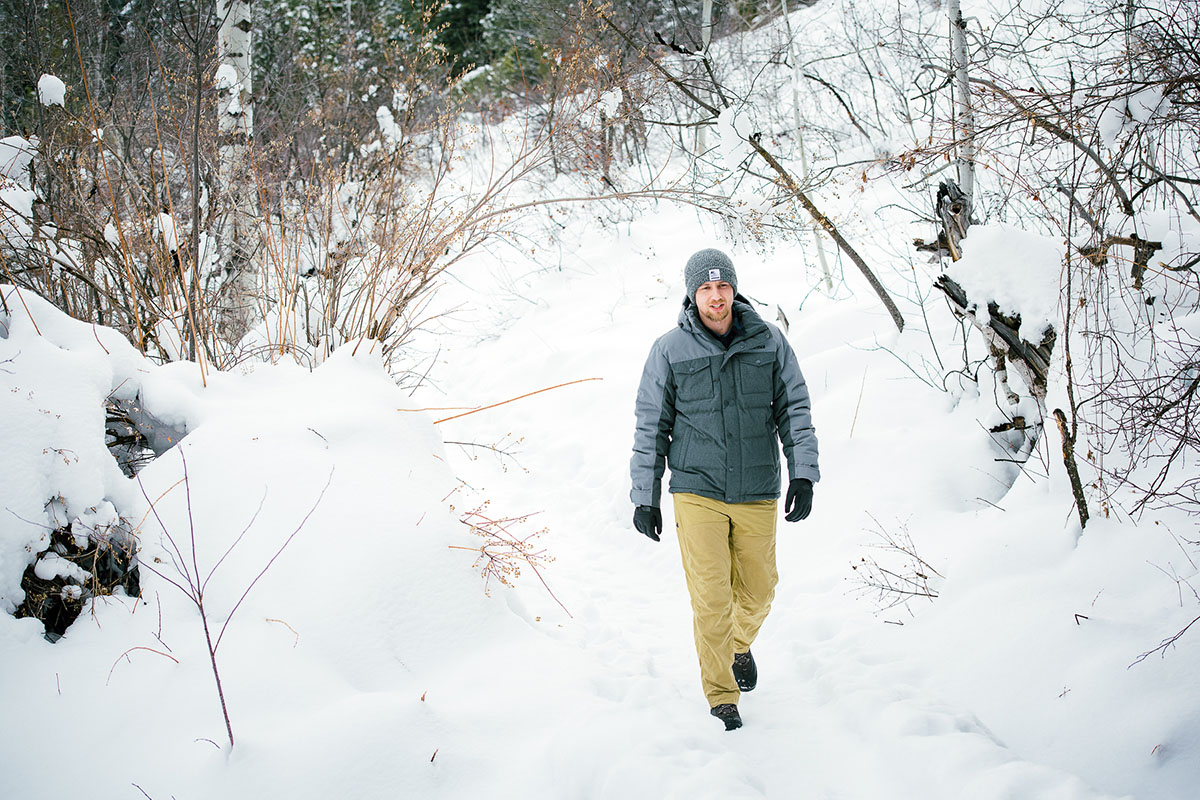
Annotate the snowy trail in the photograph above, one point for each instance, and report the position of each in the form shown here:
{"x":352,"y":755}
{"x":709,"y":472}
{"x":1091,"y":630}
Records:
{"x":841,"y":711}
{"x":369,"y":662}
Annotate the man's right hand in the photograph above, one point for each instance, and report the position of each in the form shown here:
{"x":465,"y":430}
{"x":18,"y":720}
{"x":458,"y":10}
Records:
{"x":648,"y":520}
{"x":799,"y":499}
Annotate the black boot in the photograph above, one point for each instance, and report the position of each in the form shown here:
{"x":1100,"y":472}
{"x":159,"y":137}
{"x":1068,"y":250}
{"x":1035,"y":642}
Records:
{"x":744,"y":671}
{"x":728,"y":713}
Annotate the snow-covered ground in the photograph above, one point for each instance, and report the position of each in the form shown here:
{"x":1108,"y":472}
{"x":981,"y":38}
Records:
{"x":322,"y":513}
{"x":368,"y":661}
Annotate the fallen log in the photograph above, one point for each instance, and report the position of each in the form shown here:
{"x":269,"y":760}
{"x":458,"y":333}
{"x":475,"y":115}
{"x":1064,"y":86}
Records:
{"x":1032,"y":361}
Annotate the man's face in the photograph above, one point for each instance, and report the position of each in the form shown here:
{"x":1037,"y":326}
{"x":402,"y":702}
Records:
{"x":714,"y":301}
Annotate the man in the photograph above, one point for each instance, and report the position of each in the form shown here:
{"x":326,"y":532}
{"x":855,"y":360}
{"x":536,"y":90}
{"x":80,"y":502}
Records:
{"x":719,"y":394}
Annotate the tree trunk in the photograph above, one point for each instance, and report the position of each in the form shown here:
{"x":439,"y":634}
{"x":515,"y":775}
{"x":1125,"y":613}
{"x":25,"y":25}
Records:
{"x":705,"y":38}
{"x":963,"y":109}
{"x":953,"y":207}
{"x":606,"y":146}
{"x":1068,"y":450}
{"x":236,"y":128}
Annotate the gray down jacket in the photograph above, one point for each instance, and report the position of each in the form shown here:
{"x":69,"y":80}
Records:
{"x":716,"y":417}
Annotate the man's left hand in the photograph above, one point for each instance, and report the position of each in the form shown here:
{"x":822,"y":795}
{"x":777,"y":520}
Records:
{"x":648,"y":520}
{"x":799,"y":499}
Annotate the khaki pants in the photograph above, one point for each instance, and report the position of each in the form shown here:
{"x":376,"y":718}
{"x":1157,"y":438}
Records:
{"x":729,"y":560}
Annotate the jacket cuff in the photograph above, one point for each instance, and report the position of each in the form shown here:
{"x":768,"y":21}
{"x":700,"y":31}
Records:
{"x":805,"y":471}
{"x":645,"y":498}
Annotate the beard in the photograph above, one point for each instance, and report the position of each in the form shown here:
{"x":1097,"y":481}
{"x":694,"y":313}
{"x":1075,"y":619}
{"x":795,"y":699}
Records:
{"x":716,"y":317}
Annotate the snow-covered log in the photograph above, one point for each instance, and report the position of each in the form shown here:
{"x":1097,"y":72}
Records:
{"x":1003,"y":334}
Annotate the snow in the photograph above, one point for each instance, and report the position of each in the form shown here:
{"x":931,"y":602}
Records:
{"x":1128,"y":113}
{"x":53,"y":565}
{"x":388,"y":128}
{"x":1145,"y":104}
{"x":169,"y":231}
{"x":55,"y":374}
{"x":390,"y":667}
{"x":169,"y":332}
{"x":111,"y":234}
{"x":51,"y":91}
{"x":732,"y":131}
{"x":16,"y":153}
{"x":16,"y":201}
{"x":610,"y":102}
{"x":226,"y":78}
{"x":1018,"y":270}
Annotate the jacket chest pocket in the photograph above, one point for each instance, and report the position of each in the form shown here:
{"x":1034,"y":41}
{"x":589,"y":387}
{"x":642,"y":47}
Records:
{"x":693,"y":380}
{"x":756,"y":373}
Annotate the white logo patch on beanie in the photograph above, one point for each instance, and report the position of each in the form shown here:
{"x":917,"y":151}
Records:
{"x":714,"y":274}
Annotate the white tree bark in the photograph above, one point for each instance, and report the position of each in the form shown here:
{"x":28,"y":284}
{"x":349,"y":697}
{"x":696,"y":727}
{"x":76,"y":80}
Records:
{"x":236,"y":127}
{"x":705,"y":39}
{"x":963,"y":110}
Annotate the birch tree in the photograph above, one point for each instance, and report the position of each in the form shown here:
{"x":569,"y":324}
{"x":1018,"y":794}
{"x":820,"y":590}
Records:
{"x":235,"y":125}
{"x":963,"y":110}
{"x":706,"y":12}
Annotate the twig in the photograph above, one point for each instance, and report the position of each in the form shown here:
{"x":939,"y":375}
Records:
{"x":894,"y":588}
{"x":1040,"y":121}
{"x":514,"y":399}
{"x":785,"y":180}
{"x":130,"y":650}
{"x":840,"y":99}
{"x":1164,"y":644}
{"x":503,"y":548}
{"x":432,"y":363}
{"x":854,"y":421}
{"x":278,"y":552}
{"x":193,"y":586}
{"x":289,"y":627}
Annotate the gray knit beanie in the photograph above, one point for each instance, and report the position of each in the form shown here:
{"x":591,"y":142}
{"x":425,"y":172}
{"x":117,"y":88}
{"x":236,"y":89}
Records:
{"x":708,"y":265}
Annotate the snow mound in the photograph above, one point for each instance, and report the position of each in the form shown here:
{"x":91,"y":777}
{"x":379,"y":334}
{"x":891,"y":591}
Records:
{"x":16,"y":152}
{"x":56,"y":375}
{"x":1018,"y":270}
{"x":51,"y":91}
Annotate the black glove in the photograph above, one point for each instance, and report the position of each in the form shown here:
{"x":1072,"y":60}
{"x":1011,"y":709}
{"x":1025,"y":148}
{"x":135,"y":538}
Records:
{"x":799,"y":499}
{"x":648,"y":520}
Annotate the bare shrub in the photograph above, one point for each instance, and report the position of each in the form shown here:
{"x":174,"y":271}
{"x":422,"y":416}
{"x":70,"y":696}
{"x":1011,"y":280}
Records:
{"x":186,"y":574}
{"x":897,"y":575}
{"x":505,"y":552}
